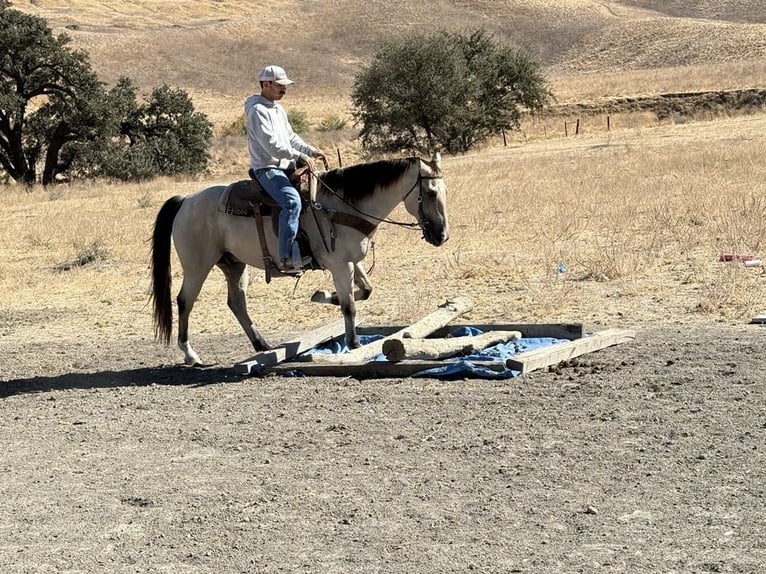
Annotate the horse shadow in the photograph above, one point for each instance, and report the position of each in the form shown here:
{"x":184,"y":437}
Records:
{"x":176,"y":375}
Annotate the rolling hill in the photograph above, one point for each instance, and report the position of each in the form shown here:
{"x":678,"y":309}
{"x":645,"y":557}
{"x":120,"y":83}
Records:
{"x":589,"y":48}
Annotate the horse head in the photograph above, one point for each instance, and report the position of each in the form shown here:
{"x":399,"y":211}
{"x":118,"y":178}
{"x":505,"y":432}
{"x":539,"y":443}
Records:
{"x":431,"y":206}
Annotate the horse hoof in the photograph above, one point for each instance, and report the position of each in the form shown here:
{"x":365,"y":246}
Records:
{"x":192,"y":361}
{"x":322,"y":296}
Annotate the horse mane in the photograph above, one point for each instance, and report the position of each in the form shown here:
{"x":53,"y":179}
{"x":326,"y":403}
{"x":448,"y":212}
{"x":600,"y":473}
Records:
{"x":356,"y":182}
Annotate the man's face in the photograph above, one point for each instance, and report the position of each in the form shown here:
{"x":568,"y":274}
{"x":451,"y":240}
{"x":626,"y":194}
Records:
{"x":273,"y":91}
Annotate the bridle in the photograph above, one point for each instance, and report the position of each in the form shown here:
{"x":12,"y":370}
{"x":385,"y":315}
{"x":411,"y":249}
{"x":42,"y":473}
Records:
{"x":418,"y":184}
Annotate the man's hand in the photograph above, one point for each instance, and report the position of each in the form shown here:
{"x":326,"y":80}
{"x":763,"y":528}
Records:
{"x":319,"y":155}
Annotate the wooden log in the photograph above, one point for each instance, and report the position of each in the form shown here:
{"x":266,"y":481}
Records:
{"x":547,"y":356}
{"x":446,"y":312}
{"x":296,"y":346}
{"x":400,"y":349}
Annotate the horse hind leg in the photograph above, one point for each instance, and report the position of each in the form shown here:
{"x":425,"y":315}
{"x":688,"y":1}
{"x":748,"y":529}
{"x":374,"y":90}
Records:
{"x":361,"y":280}
{"x":190,"y":288}
{"x":236,"y":281}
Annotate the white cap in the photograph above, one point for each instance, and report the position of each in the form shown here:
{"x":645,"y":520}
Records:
{"x":275,"y":74}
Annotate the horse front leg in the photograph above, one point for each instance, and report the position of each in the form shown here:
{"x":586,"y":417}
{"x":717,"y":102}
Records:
{"x":343,"y":278}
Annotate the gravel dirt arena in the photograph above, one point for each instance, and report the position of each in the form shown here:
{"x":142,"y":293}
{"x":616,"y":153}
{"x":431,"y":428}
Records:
{"x":644,"y":457}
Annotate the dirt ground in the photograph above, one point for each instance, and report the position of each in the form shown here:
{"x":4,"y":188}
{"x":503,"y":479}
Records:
{"x":644,"y":457}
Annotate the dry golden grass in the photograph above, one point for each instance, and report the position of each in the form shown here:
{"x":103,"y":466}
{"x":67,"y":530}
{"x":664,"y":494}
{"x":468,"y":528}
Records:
{"x":637,"y":215}
{"x":592,"y":86}
{"x":590,"y":48}
{"x":638,"y":218}
{"x":735,"y":10}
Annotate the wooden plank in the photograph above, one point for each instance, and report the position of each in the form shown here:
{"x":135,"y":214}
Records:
{"x":296,"y":346}
{"x":537,"y":330}
{"x":547,"y":356}
{"x":759,"y":319}
{"x":568,"y":331}
{"x":447,"y":311}
{"x":367,"y":370}
{"x":308,"y":366}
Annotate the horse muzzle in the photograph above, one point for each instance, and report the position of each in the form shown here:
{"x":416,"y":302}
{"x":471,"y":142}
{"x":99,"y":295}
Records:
{"x":436,"y":235}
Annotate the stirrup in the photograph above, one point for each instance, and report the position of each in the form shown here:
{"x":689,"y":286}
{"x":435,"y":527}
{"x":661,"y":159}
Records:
{"x":288,"y":265}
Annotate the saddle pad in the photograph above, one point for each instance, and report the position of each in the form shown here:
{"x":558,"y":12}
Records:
{"x":240,"y":196}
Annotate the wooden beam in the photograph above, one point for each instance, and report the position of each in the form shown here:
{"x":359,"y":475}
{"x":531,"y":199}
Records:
{"x":296,"y":346}
{"x":445,"y":313}
{"x":568,"y":331}
{"x":400,"y":349}
{"x":554,"y":354}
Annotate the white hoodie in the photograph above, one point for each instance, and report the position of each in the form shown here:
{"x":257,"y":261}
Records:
{"x":271,"y":140}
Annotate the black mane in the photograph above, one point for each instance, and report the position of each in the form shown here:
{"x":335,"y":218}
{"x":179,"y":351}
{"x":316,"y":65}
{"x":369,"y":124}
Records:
{"x":356,"y":182}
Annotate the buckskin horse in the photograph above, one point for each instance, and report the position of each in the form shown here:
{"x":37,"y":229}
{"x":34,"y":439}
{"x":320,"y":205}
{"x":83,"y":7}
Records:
{"x":337,"y":222}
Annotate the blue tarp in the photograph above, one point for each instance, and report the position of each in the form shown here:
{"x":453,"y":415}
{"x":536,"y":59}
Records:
{"x":464,"y":365}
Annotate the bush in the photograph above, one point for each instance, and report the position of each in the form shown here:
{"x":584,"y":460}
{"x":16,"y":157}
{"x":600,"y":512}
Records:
{"x":236,"y":128}
{"x":58,"y":113}
{"x":332,"y":123}
{"x":299,"y":121}
{"x":425,"y":92}
{"x":165,"y":136}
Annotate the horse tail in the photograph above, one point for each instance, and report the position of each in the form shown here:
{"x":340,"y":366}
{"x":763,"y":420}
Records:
{"x":161,"y":278}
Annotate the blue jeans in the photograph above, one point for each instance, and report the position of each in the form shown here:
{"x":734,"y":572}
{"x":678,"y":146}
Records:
{"x":277,"y":185}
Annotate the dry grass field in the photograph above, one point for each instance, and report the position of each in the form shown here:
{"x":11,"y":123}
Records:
{"x":647,"y":457}
{"x":638,"y":217}
{"x":641,"y":211}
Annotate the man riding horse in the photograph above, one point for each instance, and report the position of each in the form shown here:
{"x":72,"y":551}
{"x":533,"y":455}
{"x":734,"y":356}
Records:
{"x":274,"y":151}
{"x":210,"y":229}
